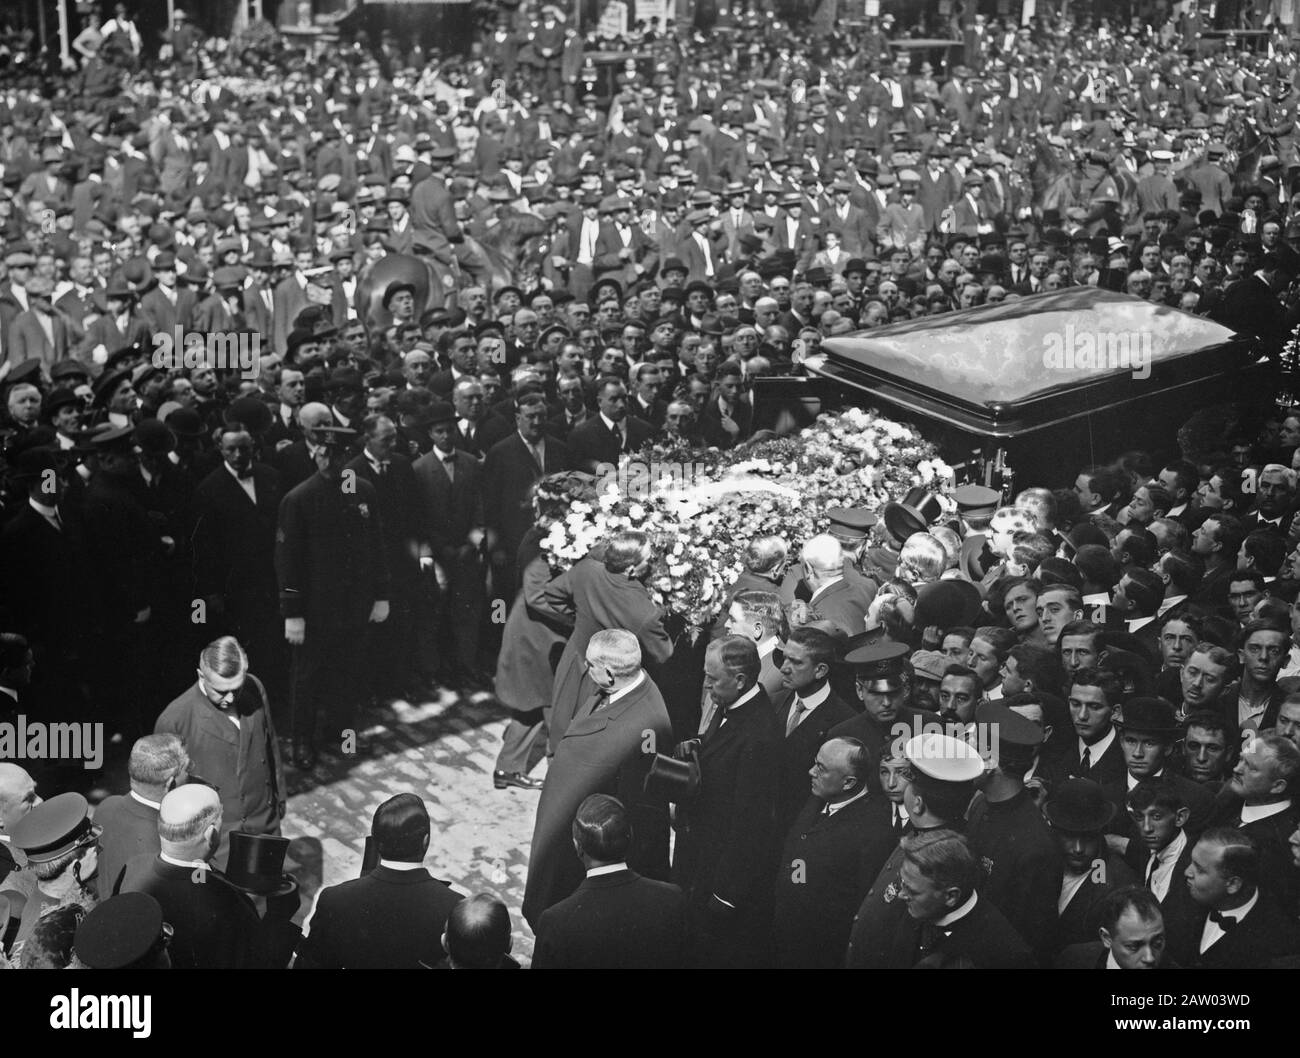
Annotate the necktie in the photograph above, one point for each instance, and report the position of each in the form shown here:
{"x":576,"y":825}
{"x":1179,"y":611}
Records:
{"x":1223,"y":921}
{"x":896,"y":824}
{"x":382,"y":467}
{"x":596,"y":701}
{"x":449,"y":463}
{"x":1151,"y":869}
{"x":796,"y":714}
{"x":1085,"y":762}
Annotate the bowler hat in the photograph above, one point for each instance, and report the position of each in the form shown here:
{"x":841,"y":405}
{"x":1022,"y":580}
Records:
{"x":947,"y":604}
{"x":1154,"y":716}
{"x":1079,"y":806}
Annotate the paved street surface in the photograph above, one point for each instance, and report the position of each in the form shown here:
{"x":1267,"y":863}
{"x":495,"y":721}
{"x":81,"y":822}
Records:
{"x":443,"y":751}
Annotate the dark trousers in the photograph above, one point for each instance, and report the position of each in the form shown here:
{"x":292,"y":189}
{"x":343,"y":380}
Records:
{"x":460,"y":614}
{"x":524,"y":742}
{"x":327,"y":682}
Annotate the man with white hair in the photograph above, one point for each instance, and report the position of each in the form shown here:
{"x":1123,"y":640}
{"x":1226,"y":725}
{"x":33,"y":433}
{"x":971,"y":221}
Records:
{"x":17,"y":797}
{"x":607,"y":748}
{"x":215,"y":926}
{"x":838,"y":599}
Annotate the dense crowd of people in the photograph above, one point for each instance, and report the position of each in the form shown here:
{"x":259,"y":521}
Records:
{"x":1051,"y":729}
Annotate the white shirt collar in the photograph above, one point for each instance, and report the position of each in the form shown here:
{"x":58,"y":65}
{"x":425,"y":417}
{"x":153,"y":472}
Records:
{"x":400,"y":865}
{"x":959,"y":913}
{"x":833,"y":807}
{"x":145,"y":801}
{"x":747,"y":696}
{"x":812,"y":701}
{"x":1254,"y":813}
{"x":1111,"y":964}
{"x":41,"y":509}
{"x":623,"y":692}
{"x":1099,"y":748}
{"x":609,"y":868}
{"x":1169,"y":604}
{"x":610,"y":424}
{"x":767,"y":646}
{"x":1132,"y":782}
{"x":1138,"y":622}
{"x":199,"y":864}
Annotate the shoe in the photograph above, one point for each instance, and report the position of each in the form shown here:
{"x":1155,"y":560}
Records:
{"x":304,"y":754}
{"x":503,"y":779}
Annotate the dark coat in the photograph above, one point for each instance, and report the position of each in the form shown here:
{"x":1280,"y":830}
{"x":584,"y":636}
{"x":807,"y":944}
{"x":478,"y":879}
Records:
{"x":799,"y":750}
{"x":593,"y":443}
{"x":329,"y":555}
{"x":1278,"y":876}
{"x":124,"y":549}
{"x":396,"y":499}
{"x":447,"y":510}
{"x":385,"y":920}
{"x":617,"y":921}
{"x":215,"y":926}
{"x":130,"y":829}
{"x":982,"y":939}
{"x":1079,"y":921}
{"x":827,"y":865}
{"x":509,"y":472}
{"x":729,"y":833}
{"x":595,"y":599}
{"x":1020,"y":864}
{"x":242,"y":763}
{"x":1267,"y":933}
{"x":532,"y":641}
{"x":609,"y":752}
{"x":233,"y":541}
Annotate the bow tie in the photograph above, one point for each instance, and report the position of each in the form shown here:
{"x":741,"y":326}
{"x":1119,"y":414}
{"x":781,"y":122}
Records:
{"x":1223,"y":921}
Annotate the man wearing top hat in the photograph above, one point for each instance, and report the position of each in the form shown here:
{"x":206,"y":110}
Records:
{"x":333,"y":580}
{"x":942,"y":772}
{"x":214,"y":925}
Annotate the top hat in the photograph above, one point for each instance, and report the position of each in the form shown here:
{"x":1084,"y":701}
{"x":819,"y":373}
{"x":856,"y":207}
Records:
{"x":947,"y":604}
{"x":912,"y":515}
{"x":674,"y":780}
{"x":256,"y":864}
{"x":1079,"y":806}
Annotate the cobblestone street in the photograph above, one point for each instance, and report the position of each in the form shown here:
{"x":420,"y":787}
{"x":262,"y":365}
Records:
{"x":442,"y":751}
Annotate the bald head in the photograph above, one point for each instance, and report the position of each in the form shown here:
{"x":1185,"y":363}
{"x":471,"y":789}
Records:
{"x":17,"y":795}
{"x":823,"y":555}
{"x":189,"y":822}
{"x":313,"y":416}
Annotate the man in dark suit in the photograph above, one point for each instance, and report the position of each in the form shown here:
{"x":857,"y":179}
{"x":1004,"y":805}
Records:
{"x":1241,"y":926}
{"x":806,"y":712}
{"x":1251,"y":306}
{"x":241,"y":760}
{"x":958,"y":927}
{"x":1259,"y":801}
{"x":449,"y":499}
{"x":513,"y":465}
{"x":727,"y":832}
{"x":616,"y":920}
{"x":604,"y":750}
{"x":44,"y":568}
{"x":392,"y":646}
{"x":129,"y":824}
{"x":392,"y":918}
{"x":214,"y":925}
{"x":329,"y":560}
{"x":837,"y":597}
{"x":728,"y":418}
{"x":611,"y":434}
{"x":1132,"y":933}
{"x":1095,"y":753}
{"x":837,"y":845}
{"x":233,"y":537}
